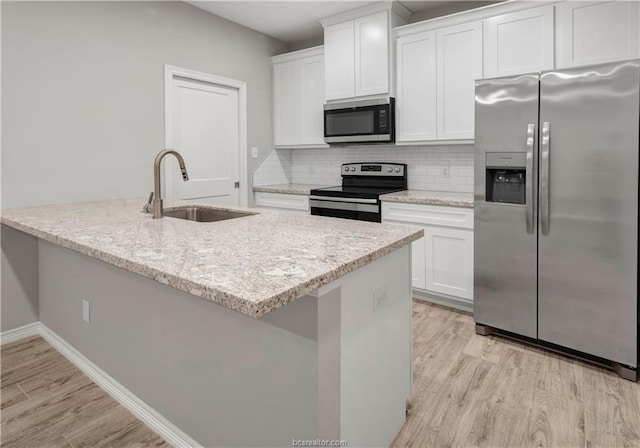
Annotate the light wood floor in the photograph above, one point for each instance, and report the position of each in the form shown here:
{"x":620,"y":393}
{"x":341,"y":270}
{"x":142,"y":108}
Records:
{"x":469,"y":391}
{"x":47,"y":402}
{"x":475,"y":391}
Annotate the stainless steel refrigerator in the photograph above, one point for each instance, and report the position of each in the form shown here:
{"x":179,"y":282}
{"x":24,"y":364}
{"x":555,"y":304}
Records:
{"x":556,"y":210}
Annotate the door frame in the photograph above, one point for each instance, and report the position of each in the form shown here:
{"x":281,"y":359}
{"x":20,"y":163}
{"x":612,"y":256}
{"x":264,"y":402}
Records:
{"x":170,"y":73}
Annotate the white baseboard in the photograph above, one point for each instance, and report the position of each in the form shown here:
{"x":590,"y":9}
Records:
{"x":20,"y":332}
{"x":449,"y":301}
{"x":149,"y":416}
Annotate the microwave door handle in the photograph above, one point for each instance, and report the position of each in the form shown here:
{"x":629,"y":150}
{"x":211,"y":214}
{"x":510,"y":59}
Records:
{"x":529,"y":178}
{"x":544,"y":178}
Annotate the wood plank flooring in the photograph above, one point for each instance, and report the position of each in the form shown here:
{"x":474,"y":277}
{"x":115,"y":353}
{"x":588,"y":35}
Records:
{"x":47,"y":402}
{"x":475,"y":391}
{"x":469,"y":391}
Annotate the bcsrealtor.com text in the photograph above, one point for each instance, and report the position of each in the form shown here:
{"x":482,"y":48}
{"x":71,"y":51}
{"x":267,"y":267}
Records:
{"x":319,"y":442}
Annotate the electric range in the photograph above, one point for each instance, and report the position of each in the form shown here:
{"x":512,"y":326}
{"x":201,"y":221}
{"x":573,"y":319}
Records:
{"x":359,"y":195}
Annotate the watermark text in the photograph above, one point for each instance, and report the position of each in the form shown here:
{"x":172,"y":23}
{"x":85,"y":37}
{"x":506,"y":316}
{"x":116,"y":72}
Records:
{"x":319,"y":442}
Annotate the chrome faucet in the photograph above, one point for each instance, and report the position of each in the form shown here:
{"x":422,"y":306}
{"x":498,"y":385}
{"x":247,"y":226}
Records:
{"x":154,"y":205}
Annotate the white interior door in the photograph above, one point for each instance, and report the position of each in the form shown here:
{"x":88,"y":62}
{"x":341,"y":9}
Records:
{"x":205,"y":129}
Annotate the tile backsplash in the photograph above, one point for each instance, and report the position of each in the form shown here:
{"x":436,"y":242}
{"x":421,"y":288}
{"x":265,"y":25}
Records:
{"x":436,"y":168}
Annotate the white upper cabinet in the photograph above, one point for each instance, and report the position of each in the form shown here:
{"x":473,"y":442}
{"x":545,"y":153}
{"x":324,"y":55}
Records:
{"x":416,"y":87}
{"x":339,"y":41}
{"x":358,"y":51}
{"x":357,"y":57}
{"x":312,"y":100}
{"x":438,"y":61}
{"x":519,"y":42}
{"x":285,"y":77}
{"x":459,"y":64}
{"x":596,"y":32}
{"x":436,"y":73}
{"x":372,"y":54}
{"x":298,"y":98}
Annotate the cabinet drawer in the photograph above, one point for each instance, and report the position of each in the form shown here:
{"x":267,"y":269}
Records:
{"x":280,"y":200}
{"x":428,"y":214}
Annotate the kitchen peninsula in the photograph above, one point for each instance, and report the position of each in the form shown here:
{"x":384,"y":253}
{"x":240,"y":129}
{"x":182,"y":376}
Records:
{"x":253,"y":331}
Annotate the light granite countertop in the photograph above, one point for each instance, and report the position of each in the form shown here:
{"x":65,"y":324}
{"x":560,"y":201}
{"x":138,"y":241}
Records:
{"x":254,"y":264}
{"x":303,"y":189}
{"x":445,"y":198}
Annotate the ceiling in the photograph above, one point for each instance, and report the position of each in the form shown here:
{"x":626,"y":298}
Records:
{"x":294,"y":21}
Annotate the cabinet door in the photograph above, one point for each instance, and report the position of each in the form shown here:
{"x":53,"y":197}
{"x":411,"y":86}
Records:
{"x":449,"y":259}
{"x":418,"y":258}
{"x":339,"y":61}
{"x":459,"y":64}
{"x":519,"y":42}
{"x":311,"y":101}
{"x":418,"y":266}
{"x":286,"y":104}
{"x":371,"y":54}
{"x":416,"y":87}
{"x":596,"y":32}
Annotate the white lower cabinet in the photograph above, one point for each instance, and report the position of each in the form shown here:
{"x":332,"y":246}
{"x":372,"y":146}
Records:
{"x":419,"y":264}
{"x":442,"y":261}
{"x":298,"y":203}
{"x":449,"y":261}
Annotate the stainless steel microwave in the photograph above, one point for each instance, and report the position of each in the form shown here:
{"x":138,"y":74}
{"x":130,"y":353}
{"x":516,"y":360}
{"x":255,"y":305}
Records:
{"x":363,"y":121}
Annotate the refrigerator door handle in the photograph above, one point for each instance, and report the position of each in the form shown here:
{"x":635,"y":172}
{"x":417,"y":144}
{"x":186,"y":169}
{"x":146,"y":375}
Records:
{"x":529,"y":178}
{"x":544,"y":179}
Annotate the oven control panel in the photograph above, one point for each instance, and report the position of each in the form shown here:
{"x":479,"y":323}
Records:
{"x":374,"y":169}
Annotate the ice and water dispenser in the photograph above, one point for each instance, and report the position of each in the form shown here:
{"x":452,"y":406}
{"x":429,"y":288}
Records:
{"x":505,"y":177}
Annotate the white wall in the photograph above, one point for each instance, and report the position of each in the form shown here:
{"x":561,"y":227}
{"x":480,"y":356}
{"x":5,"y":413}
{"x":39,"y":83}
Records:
{"x":224,"y":378}
{"x":19,"y":280}
{"x":82,"y":92}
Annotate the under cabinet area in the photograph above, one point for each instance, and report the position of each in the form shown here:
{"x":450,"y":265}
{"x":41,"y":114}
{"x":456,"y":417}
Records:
{"x":436,"y":73}
{"x":442,"y":261}
{"x":296,"y":203}
{"x":298,"y":86}
{"x":519,"y":42}
{"x":592,"y":32}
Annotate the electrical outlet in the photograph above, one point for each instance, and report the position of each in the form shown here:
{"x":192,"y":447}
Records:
{"x":445,"y":171}
{"x":254,"y":152}
{"x":380,"y":296}
{"x":85,"y":311}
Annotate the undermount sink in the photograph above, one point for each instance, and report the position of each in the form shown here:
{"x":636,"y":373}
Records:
{"x":202,"y":214}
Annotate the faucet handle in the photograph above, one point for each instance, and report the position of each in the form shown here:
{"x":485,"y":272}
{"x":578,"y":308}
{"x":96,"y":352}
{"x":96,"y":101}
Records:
{"x":147,"y":207}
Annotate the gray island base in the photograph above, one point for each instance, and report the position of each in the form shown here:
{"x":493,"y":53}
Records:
{"x":333,"y":364}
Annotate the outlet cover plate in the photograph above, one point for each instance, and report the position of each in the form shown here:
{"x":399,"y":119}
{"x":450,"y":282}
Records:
{"x":85,"y":311}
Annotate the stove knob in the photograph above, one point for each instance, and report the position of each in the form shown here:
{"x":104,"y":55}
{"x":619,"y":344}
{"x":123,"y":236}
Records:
{"x":397,"y":170}
{"x":346,"y":168}
{"x":353,"y":168}
{"x":389,"y":170}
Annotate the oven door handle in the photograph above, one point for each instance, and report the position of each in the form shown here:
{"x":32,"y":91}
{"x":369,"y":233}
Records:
{"x":334,"y":199}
